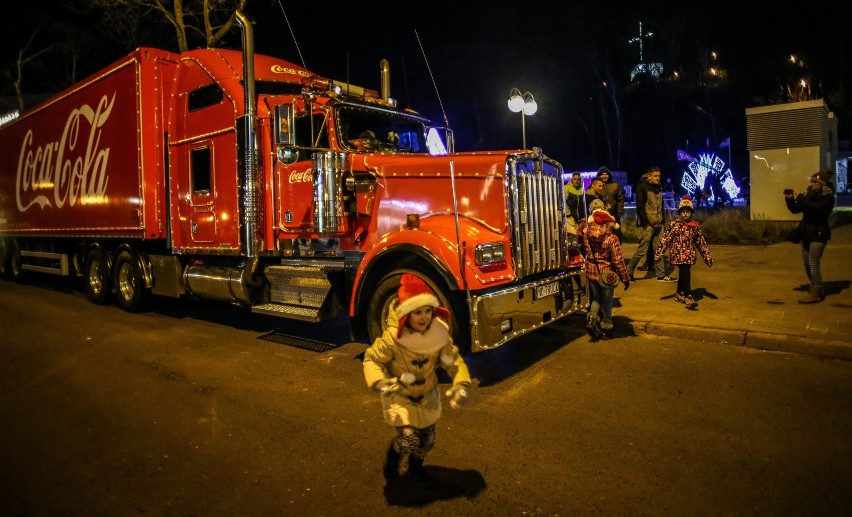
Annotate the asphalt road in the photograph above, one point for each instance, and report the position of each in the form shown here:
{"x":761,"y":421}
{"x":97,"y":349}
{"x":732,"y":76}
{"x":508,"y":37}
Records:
{"x":185,"y":410}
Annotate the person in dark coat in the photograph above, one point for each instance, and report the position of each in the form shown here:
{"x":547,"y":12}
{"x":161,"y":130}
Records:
{"x":613,"y":197}
{"x":650,"y":220}
{"x":815,"y":205}
{"x":595,"y":191}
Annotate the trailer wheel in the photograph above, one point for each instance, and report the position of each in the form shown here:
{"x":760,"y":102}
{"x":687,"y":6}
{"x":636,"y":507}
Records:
{"x":16,"y":264}
{"x":130,"y":291}
{"x":98,"y":281}
{"x":386,"y":293}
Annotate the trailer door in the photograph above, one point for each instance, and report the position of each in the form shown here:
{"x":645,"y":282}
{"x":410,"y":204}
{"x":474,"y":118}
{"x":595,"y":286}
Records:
{"x":203,"y":163}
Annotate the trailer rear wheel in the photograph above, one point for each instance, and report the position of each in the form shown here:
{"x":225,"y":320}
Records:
{"x":98,"y":281}
{"x":130,"y":291}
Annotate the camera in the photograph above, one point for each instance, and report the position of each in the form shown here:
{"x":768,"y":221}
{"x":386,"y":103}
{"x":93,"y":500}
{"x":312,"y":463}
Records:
{"x":788,"y":192}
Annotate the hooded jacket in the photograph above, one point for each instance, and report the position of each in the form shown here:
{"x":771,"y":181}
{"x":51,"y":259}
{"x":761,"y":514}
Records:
{"x":573,"y":200}
{"x":649,"y":203}
{"x":815,"y":205}
{"x":682,"y":239}
{"x":613,"y":196}
{"x":603,"y":251}
{"x":418,"y":403}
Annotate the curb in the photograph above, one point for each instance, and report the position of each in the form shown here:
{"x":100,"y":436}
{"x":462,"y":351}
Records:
{"x":760,"y":340}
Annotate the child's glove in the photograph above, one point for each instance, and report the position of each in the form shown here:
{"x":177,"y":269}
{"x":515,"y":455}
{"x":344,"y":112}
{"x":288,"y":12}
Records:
{"x":457,"y":395}
{"x":626,"y":285}
{"x":387,"y":386}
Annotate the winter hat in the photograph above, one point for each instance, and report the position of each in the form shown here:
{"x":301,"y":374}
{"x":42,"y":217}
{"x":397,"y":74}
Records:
{"x":824,"y":177}
{"x":413,"y":293}
{"x":596,"y":205}
{"x":685,"y":204}
{"x":604,"y":170}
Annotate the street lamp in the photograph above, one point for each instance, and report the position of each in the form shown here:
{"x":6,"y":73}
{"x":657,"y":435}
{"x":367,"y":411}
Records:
{"x":526,"y":105}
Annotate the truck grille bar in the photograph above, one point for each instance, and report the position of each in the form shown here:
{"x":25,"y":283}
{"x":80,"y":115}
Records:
{"x":537,"y":212}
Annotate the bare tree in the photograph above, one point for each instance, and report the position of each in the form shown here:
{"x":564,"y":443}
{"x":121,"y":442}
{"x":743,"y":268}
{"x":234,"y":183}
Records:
{"x":25,"y":57}
{"x":207,"y":21}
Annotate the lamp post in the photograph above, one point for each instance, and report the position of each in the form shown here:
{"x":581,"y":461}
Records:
{"x":526,"y":105}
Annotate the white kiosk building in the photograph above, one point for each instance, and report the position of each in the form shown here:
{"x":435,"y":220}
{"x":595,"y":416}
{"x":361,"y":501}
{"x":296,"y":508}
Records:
{"x":786,"y":144}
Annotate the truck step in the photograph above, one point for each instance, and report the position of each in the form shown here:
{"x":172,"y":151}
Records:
{"x":298,"y":312}
{"x":58,"y":262}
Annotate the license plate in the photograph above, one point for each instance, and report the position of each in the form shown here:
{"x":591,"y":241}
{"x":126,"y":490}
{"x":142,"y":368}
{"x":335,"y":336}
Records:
{"x":542,"y":291}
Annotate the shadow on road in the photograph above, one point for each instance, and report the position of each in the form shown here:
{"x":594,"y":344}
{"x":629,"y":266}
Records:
{"x":830,"y":288}
{"x":448,"y":484}
{"x":494,"y":366}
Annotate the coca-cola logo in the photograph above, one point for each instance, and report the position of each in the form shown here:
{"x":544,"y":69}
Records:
{"x":70,"y":170}
{"x":305,"y":176}
{"x":278,"y":69}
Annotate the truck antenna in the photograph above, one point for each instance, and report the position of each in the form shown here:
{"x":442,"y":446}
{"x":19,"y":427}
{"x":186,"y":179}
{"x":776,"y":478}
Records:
{"x":292,"y":34}
{"x":434,"y":85}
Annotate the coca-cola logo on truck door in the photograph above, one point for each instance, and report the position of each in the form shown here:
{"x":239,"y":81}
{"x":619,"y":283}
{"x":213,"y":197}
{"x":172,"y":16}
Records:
{"x":70,"y":170}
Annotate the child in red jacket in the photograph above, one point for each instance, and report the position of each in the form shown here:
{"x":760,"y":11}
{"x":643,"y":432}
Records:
{"x":682,"y":238}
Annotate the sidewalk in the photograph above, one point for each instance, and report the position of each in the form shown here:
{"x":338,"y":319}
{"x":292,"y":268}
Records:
{"x":749,"y":298}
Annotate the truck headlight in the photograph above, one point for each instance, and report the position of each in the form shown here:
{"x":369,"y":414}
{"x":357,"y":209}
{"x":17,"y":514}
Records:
{"x":489,"y":253}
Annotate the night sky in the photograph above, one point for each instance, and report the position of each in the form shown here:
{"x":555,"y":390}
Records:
{"x":478,"y":51}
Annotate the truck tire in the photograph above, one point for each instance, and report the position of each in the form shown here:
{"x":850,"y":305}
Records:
{"x":386,"y":293}
{"x":98,"y":279}
{"x":130,"y":291}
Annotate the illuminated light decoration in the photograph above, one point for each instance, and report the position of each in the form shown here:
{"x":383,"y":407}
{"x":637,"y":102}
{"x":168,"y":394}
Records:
{"x":699,"y":169}
{"x":655,"y":70}
{"x":9,"y":117}
{"x":434,"y":142}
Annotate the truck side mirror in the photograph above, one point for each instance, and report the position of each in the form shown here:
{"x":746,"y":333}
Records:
{"x":285,"y":134}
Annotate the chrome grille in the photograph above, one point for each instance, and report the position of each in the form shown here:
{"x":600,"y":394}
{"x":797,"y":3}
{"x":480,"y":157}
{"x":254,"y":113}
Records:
{"x":537,"y":214}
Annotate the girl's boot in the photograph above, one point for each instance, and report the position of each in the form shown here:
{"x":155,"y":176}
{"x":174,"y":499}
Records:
{"x":418,"y":473}
{"x":392,"y":459}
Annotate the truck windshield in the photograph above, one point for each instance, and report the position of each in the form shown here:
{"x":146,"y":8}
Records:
{"x":369,"y":129}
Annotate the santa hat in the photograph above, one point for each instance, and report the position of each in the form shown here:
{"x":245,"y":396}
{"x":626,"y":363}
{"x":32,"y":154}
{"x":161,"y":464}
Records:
{"x":599,"y":213}
{"x":414,"y":293}
{"x":685,"y":204}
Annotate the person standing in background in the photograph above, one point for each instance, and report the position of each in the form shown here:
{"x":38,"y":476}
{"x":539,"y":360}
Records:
{"x":613,"y":198}
{"x":595,"y":191}
{"x":574,"y":197}
{"x":815,"y":205}
{"x":650,"y":219}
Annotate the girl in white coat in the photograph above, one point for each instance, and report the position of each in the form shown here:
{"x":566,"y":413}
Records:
{"x":401,"y":366}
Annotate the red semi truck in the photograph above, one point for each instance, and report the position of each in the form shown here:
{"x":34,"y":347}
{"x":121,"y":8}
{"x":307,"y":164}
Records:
{"x":226,"y":175}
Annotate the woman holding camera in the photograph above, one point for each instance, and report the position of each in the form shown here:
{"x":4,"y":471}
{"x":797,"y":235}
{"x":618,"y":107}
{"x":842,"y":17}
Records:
{"x":815,"y":205}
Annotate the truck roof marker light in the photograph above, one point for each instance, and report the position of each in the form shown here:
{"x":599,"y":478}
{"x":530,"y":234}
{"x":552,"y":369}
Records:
{"x":412,"y":221}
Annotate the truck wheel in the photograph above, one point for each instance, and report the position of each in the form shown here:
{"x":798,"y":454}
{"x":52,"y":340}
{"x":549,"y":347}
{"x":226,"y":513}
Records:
{"x":16,"y":265}
{"x":386,"y":293}
{"x":130,"y":291}
{"x":98,"y":282}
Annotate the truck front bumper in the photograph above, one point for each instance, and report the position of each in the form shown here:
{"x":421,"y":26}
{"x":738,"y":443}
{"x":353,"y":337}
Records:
{"x":505,"y":314}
